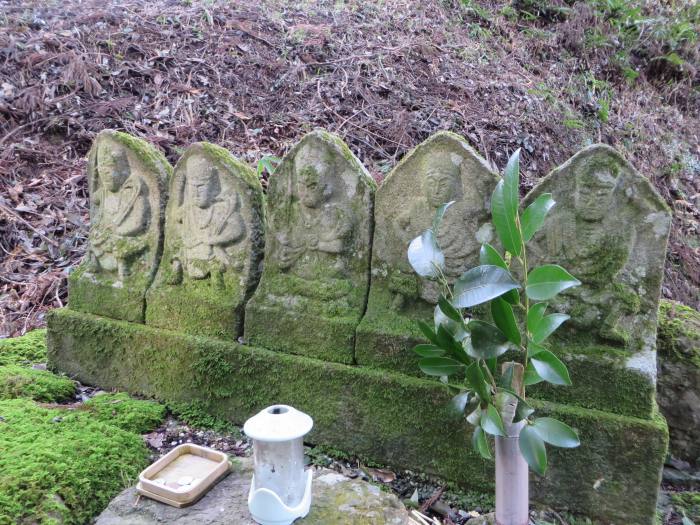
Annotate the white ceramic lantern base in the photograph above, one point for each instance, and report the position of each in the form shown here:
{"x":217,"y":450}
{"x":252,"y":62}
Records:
{"x":267,"y":508}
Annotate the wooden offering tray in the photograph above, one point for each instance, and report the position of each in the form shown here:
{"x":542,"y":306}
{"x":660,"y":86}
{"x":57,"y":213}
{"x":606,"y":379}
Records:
{"x":183,"y":475}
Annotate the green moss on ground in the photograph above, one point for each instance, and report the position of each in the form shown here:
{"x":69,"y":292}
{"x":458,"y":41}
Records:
{"x":39,"y":385}
{"x":195,"y":415}
{"x":59,"y":467}
{"x":122,"y":411}
{"x":687,"y":503}
{"x":26,"y":350}
{"x":679,"y":333}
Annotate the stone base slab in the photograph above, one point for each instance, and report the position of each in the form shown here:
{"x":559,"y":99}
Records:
{"x":196,"y":310}
{"x":389,"y":418}
{"x":317,"y":337}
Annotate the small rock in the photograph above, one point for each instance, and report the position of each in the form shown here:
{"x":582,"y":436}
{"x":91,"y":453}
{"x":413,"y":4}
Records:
{"x":57,"y":419}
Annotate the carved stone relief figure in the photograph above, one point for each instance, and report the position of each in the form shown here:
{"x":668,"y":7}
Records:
{"x":441,"y":169}
{"x":316,"y":265}
{"x":609,"y":229}
{"x":213,"y":245}
{"x":126,"y":178}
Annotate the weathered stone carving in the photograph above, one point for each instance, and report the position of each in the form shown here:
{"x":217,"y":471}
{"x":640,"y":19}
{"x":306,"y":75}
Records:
{"x":609,"y":228}
{"x":214,"y":240}
{"x":443,"y":168}
{"x":314,"y":284}
{"x":126,"y":180}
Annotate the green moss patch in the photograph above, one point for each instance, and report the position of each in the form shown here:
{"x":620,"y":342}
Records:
{"x":59,"y":467}
{"x":122,"y":411}
{"x":687,"y":503}
{"x":39,"y":385}
{"x":25,"y":350}
{"x":679,"y":333}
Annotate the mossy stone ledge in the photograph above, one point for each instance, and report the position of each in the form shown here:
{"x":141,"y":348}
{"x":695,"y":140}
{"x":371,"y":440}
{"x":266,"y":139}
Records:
{"x":386,"y":417}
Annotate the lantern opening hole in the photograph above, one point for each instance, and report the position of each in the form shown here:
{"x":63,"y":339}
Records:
{"x":277,"y":410}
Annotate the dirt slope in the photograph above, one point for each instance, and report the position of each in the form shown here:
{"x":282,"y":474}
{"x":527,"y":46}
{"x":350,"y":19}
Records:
{"x":254,"y":76}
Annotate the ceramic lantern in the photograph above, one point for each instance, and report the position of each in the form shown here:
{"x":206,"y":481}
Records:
{"x":280,"y":491}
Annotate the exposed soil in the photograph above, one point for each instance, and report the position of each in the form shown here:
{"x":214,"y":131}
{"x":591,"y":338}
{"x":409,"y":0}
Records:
{"x":254,"y":76}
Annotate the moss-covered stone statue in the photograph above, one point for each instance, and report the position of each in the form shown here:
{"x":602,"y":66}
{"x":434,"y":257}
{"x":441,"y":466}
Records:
{"x":609,"y":228}
{"x":214,"y":242}
{"x":316,"y":272}
{"x":443,"y":168}
{"x":127,"y":180}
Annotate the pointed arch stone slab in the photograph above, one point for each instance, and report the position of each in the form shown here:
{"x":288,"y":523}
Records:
{"x":441,"y":169}
{"x":609,"y":228}
{"x":214,"y":241}
{"x":127,"y":179}
{"x":315,"y":279}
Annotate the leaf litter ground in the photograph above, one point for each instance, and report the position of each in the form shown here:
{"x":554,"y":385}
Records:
{"x":255,"y":76}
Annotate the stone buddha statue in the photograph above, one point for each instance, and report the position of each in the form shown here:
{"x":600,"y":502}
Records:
{"x":120,"y":214}
{"x":211,"y":223}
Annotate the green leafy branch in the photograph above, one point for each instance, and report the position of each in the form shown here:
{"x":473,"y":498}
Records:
{"x":459,"y":345}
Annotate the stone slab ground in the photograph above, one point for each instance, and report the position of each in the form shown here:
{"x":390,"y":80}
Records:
{"x":336,"y":499}
{"x":390,"y":418}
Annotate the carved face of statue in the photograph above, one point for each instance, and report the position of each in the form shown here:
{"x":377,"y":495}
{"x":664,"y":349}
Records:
{"x":311,"y":188}
{"x":441,"y":185}
{"x":202,"y":181}
{"x":594,"y":191}
{"x":112,"y":166}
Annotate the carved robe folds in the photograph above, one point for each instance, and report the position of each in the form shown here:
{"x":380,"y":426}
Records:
{"x":126,"y":180}
{"x":314,"y":283}
{"x":213,"y":245}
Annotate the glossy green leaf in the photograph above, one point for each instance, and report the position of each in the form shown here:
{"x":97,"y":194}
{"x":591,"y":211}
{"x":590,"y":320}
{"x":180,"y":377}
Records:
{"x":487,"y":340}
{"x":511,"y":181}
{"x":425,"y":350}
{"x":439,"y":214}
{"x":440,"y":366}
{"x":523,"y":410}
{"x":457,"y":329}
{"x":532,"y":449}
{"x":454,"y":348}
{"x":547,"y":325}
{"x":504,"y":318}
{"x":531,"y":377}
{"x":474,"y":417}
{"x":268,"y":163}
{"x":556,"y":433}
{"x":450,"y":311}
{"x":504,"y":222}
{"x":489,"y":255}
{"x":477,"y":380}
{"x":492,"y":364}
{"x":535,"y":315}
{"x":480,"y":443}
{"x":491,"y":421}
{"x":534,"y":349}
{"x":544,"y":282}
{"x":550,"y":368}
{"x":482,"y":284}
{"x":428,"y":332}
{"x":535,"y":214}
{"x":424,"y":255}
{"x":458,"y":403}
